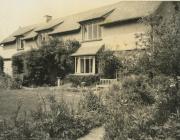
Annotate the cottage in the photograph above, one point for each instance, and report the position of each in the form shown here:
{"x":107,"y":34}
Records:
{"x":112,"y":27}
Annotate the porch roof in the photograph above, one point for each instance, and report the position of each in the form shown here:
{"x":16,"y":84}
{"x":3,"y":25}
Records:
{"x":87,"y":51}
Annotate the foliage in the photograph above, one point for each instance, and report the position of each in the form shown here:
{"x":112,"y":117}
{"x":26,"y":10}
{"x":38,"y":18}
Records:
{"x":78,"y":80}
{"x":162,"y":43}
{"x":1,"y":65}
{"x":43,"y":66}
{"x":18,"y":63}
{"x":51,"y":119}
{"x":146,"y":111}
{"x":91,"y":102}
{"x":7,"y":82}
{"x":109,"y":64}
{"x":147,"y":104}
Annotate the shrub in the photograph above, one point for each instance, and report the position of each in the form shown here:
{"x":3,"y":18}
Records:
{"x":18,"y":63}
{"x":87,"y":79}
{"x":50,"y":120}
{"x":43,"y":66}
{"x":1,"y":65}
{"x":143,"y":108}
{"x":7,"y":82}
{"x":109,"y":64}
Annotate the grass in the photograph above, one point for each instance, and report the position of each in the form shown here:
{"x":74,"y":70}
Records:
{"x":9,"y":99}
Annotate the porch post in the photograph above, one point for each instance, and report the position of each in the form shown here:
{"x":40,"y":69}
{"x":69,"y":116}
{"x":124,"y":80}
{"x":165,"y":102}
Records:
{"x":78,"y":65}
{"x":75,"y":71}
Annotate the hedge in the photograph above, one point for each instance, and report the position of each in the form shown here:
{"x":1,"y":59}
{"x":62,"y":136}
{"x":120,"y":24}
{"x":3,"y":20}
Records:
{"x":86,"y":79}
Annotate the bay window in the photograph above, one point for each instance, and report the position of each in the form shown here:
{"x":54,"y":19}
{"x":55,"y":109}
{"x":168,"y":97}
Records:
{"x":85,"y":65}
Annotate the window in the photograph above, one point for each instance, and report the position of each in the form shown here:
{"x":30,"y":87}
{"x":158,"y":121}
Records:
{"x":76,"y":63}
{"x":20,"y":44}
{"x":91,"y":31}
{"x":42,"y":38}
{"x":86,"y":65}
{"x":82,"y":65}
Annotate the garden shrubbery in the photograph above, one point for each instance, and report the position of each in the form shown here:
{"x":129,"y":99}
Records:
{"x":147,"y":105}
{"x":142,"y":109}
{"x":109,"y":64}
{"x":86,"y":79}
{"x":43,"y":66}
{"x":51,"y":119}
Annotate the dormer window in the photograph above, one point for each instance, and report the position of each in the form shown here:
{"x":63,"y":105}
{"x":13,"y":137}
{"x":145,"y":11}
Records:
{"x":20,"y":44}
{"x":43,"y":38}
{"x":91,"y":31}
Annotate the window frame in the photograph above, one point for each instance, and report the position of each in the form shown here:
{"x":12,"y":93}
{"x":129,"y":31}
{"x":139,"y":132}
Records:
{"x":94,"y":34}
{"x":20,"y":44}
{"x":84,"y":61}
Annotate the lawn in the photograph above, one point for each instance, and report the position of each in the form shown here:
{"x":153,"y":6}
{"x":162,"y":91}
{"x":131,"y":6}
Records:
{"x":9,"y":99}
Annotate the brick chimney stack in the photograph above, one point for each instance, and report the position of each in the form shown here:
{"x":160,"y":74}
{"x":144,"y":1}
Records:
{"x":48,"y":18}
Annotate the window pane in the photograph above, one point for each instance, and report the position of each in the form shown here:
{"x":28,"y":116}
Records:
{"x":90,"y":31}
{"x":95,"y":27}
{"x":85,"y":32}
{"x":90,"y":65}
{"x":82,"y":65}
{"x":22,"y":44}
{"x":87,"y":66}
{"x":76,"y":64}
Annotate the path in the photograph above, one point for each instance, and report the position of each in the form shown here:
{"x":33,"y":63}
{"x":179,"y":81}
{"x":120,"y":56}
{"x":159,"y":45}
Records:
{"x":95,"y":134}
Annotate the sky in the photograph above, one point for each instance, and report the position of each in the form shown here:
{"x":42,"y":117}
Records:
{"x":18,"y":13}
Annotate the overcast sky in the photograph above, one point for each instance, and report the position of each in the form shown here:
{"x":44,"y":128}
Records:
{"x":16,"y":13}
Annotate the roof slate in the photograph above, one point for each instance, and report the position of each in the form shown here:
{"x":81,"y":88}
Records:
{"x":123,"y":10}
{"x":49,"y":25}
{"x":90,"y":50}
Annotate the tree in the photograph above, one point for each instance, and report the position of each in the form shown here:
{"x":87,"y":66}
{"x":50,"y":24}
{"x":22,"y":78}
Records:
{"x":162,"y":44}
{"x":44,"y":65}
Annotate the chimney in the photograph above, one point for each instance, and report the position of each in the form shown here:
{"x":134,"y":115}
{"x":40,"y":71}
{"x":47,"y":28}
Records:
{"x":48,"y":18}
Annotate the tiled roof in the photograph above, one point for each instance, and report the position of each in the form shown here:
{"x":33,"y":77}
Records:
{"x":23,"y":30}
{"x":8,"y":40}
{"x":90,"y":50}
{"x":130,"y":10}
{"x":30,"y":35}
{"x":124,"y":10}
{"x":117,"y":12}
{"x":19,"y":32}
{"x":69,"y":24}
{"x":49,"y":25}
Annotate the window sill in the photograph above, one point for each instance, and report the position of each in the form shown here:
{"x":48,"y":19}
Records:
{"x":90,"y":40}
{"x":84,"y":74}
{"x":20,"y":49}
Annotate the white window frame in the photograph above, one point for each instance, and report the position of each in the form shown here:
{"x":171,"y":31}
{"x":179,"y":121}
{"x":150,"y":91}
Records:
{"x":82,"y":69}
{"x":20,"y":44}
{"x":91,"y":32}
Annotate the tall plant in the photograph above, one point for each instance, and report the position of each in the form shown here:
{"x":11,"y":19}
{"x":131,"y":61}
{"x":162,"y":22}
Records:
{"x":163,"y":44}
{"x":1,"y":65}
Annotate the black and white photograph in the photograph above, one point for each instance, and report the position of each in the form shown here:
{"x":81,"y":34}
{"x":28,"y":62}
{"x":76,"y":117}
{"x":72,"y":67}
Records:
{"x":89,"y":70}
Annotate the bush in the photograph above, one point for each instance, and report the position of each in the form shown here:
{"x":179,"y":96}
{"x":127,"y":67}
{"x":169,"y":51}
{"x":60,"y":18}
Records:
{"x":1,"y":65}
{"x":109,"y":64}
{"x":18,"y":63}
{"x":51,"y":119}
{"x":143,"y":108}
{"x":7,"y":82}
{"x":43,"y":66}
{"x":87,"y":79}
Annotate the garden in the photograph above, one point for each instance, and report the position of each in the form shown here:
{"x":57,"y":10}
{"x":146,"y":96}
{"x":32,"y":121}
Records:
{"x":143,"y":105}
